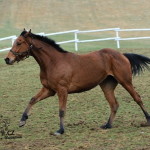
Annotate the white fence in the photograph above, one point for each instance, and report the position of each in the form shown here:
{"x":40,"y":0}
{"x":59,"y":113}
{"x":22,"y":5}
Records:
{"x":116,"y":38}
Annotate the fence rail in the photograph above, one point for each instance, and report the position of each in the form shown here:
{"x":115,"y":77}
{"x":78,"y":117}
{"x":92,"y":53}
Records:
{"x":76,"y":40}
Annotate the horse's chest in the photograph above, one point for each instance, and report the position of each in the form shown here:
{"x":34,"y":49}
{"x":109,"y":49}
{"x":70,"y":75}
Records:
{"x":48,"y":81}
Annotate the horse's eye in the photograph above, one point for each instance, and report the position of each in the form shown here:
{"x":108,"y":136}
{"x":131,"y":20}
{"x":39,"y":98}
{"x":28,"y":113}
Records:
{"x":18,"y":44}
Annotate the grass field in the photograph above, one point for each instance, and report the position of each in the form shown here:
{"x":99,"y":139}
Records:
{"x":85,"y":113}
{"x":59,"y":15}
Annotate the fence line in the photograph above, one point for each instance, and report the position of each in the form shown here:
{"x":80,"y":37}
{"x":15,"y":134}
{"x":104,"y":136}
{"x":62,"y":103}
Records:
{"x":64,"y":32}
{"x":117,"y":38}
{"x":99,"y":30}
{"x":96,"y":40}
{"x":5,"y":49}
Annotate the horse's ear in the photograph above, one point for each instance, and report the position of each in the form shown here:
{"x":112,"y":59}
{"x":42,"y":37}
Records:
{"x":24,"y":29}
{"x":29,"y":31}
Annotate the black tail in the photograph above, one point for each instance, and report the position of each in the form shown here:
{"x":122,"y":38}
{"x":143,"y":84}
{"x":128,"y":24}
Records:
{"x":138,"y":62}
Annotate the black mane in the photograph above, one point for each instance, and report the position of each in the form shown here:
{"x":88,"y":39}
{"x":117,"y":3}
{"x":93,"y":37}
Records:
{"x":46,"y":40}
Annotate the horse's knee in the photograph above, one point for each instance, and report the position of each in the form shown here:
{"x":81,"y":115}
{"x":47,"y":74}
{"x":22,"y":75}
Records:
{"x":32,"y":101}
{"x":114,"y":105}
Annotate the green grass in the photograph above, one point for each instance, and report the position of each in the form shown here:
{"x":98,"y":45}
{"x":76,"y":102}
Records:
{"x":85,"y":113}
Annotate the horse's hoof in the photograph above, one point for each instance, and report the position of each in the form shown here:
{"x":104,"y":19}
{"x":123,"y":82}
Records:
{"x":59,"y":132}
{"x":106,"y":126}
{"x":147,"y":124}
{"x":22,"y":123}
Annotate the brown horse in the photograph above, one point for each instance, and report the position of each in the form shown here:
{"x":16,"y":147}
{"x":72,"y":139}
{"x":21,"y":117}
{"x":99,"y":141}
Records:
{"x":64,"y":72}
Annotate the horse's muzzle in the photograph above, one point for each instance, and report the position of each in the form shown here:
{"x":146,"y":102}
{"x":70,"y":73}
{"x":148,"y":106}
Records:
{"x":8,"y":61}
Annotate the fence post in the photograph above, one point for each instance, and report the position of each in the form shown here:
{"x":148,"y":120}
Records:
{"x":117,"y":38}
{"x":76,"y":40}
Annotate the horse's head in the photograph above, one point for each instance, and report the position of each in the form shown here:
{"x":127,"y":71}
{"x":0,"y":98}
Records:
{"x":20,"y":49}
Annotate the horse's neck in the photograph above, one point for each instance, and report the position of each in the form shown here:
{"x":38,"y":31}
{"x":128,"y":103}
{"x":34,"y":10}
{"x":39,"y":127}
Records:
{"x":45,"y":55}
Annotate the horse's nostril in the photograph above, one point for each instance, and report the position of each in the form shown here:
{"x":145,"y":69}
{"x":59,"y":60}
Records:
{"x":7,"y":60}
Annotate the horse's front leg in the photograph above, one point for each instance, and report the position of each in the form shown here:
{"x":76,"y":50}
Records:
{"x":62,"y":95}
{"x":42,"y":94}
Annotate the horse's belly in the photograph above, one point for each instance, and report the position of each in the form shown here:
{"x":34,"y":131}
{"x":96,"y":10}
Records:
{"x":81,"y":89}
{"x":84,"y":85}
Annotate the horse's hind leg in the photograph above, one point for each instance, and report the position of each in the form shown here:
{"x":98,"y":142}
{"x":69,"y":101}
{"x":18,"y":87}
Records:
{"x":108,"y":86}
{"x":129,"y":87}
